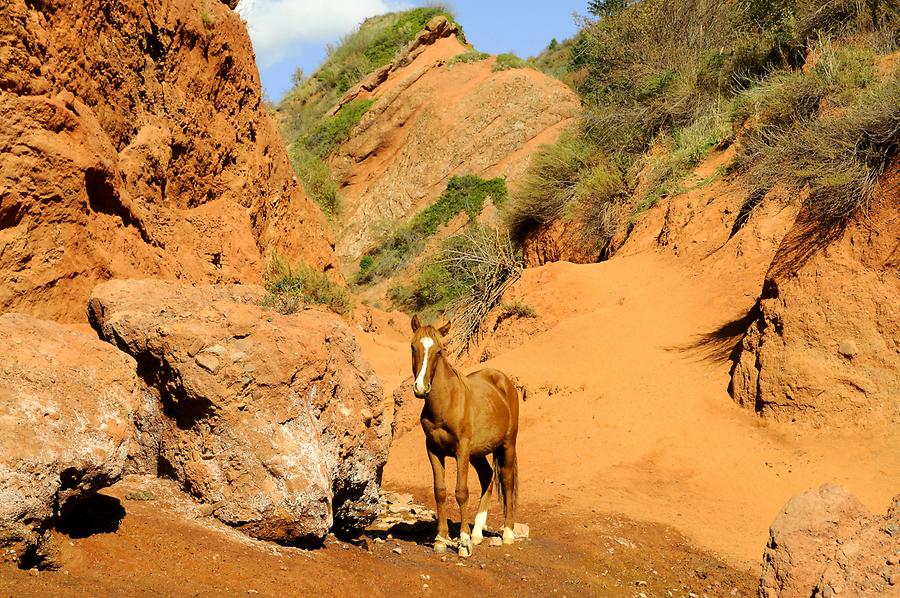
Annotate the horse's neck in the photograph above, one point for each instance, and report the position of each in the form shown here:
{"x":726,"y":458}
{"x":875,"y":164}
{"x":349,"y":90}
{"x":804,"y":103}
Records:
{"x":447,"y":386}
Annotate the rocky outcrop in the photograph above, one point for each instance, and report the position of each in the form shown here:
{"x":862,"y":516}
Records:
{"x":275,"y":422}
{"x":559,"y":241}
{"x":68,"y":407}
{"x":437,"y":28}
{"x":134,"y":143}
{"x":825,"y":543}
{"x":431,"y":121}
{"x":824,"y":348}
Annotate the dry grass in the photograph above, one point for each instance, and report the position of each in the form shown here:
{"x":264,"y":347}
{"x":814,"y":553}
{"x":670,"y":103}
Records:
{"x":290,"y":289}
{"x":488,"y":260}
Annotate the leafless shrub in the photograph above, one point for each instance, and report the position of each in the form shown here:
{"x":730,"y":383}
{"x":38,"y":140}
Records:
{"x":487,"y":259}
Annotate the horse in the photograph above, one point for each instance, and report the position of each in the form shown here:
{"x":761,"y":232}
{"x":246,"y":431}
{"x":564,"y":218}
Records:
{"x":467,"y":418}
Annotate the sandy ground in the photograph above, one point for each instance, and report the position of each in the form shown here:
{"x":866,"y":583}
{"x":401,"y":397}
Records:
{"x":628,"y":411}
{"x":167,"y":547}
{"x":639,"y":475}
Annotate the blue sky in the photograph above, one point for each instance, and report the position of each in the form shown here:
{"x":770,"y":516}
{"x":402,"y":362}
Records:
{"x":288,"y":34}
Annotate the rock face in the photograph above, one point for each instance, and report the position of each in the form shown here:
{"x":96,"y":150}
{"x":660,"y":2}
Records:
{"x":825,"y":346}
{"x":68,"y":407}
{"x":824,"y":543}
{"x":431,"y":121}
{"x":273,"y":421}
{"x":559,"y":241}
{"x":134,"y":143}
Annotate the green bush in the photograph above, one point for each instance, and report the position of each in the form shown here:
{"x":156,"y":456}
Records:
{"x":509,"y":61}
{"x":316,"y":179}
{"x":729,"y":66}
{"x":334,"y":131}
{"x":518,"y":309}
{"x":289,"y":289}
{"x":466,"y":279}
{"x":549,"y":185}
{"x":473,"y":56}
{"x":463,"y":194}
{"x":837,"y":157}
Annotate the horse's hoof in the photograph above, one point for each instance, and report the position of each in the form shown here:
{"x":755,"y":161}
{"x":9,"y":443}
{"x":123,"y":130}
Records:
{"x":508,"y":536}
{"x":465,"y":546}
{"x":441,"y":543}
{"x":477,"y":539}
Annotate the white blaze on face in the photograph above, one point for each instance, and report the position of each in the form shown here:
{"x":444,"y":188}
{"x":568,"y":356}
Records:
{"x":427,"y":342}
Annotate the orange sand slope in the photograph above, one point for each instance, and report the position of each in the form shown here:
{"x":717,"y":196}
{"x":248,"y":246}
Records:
{"x":628,"y":413}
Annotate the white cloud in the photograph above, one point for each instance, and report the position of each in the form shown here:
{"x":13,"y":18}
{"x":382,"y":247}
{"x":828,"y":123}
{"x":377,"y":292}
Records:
{"x":275,"y":26}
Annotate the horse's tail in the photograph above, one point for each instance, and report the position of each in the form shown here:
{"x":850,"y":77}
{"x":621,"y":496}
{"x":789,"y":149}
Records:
{"x":512,"y":492}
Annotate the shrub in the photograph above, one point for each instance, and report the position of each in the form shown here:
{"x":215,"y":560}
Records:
{"x":683,"y":151}
{"x":509,"y":61}
{"x":289,"y":289}
{"x":334,"y":131}
{"x":316,"y":179}
{"x":463,"y":194}
{"x":549,"y":184}
{"x":681,"y":77}
{"x":473,"y":56}
{"x":838,"y":157}
{"x":467,"y":279}
{"x":518,"y":309}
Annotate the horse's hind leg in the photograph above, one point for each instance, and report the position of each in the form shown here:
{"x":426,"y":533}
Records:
{"x":485,"y":477}
{"x":509,"y":480}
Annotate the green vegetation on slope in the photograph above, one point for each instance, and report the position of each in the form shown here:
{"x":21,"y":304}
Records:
{"x":332,"y":132}
{"x":372,"y":46}
{"x":289,"y":289}
{"x":311,"y":135}
{"x":505,"y":62}
{"x":463,"y":194}
{"x":466,"y":57}
{"x":664,"y":82}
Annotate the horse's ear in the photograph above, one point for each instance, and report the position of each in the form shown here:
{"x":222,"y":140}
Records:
{"x":415,"y":323}
{"x":444,"y":329}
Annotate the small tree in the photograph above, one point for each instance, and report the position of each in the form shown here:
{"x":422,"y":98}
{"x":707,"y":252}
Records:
{"x":298,"y":76}
{"x":606,"y":8}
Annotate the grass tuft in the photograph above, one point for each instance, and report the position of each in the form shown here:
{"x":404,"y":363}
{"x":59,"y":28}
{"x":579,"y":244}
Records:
{"x":518,"y":309}
{"x":505,"y":62}
{"x":290,"y":289}
{"x":467,"y":57}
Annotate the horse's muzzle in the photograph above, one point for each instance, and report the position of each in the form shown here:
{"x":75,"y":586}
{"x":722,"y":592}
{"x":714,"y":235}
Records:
{"x":421,"y":394}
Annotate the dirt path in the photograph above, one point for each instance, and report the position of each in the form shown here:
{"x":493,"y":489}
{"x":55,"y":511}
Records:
{"x":629,"y":412}
{"x":166,"y":547}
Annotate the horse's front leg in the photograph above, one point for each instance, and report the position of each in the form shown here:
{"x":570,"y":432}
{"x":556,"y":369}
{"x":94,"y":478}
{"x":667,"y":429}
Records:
{"x":462,"y":497}
{"x":442,"y":539}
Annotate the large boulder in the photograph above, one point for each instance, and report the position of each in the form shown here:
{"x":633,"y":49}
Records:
{"x":824,"y":542}
{"x":68,"y":405}
{"x":275,"y":422}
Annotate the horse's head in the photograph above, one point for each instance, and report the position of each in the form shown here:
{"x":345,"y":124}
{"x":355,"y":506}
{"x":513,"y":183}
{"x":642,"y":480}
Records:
{"x":426,"y":346}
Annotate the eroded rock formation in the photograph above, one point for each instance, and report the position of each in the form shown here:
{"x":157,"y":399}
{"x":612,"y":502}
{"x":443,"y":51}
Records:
{"x":134,"y":143}
{"x":68,"y":408}
{"x":273,"y":421}
{"x":431,"y":121}
{"x":825,"y":543}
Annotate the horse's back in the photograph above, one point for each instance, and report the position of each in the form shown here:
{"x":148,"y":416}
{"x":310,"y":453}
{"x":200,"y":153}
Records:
{"x":489,"y":381}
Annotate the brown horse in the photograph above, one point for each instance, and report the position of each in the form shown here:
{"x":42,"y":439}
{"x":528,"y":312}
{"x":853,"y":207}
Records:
{"x":466,"y":417}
